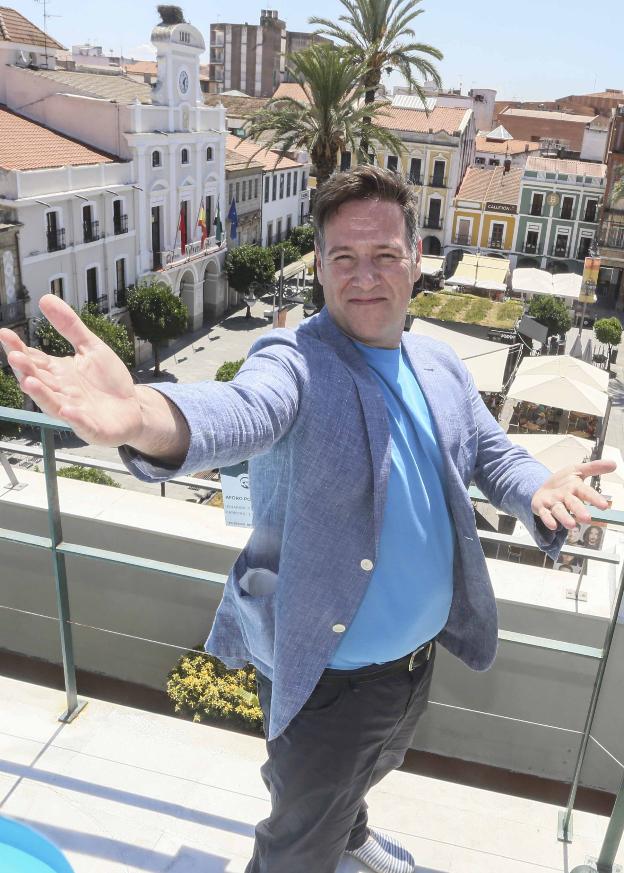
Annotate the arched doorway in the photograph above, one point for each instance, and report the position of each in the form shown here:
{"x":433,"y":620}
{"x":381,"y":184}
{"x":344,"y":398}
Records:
{"x":186,"y":291}
{"x":431,"y":246}
{"x":214,"y":304}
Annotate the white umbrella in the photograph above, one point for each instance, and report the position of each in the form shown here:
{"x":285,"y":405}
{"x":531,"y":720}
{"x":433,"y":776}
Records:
{"x":554,"y":450}
{"x":550,"y":390}
{"x":567,"y":367}
{"x":588,"y":352}
{"x":577,"y":349}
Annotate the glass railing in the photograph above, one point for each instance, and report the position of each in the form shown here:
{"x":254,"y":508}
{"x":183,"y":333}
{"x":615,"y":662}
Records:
{"x":58,"y":549}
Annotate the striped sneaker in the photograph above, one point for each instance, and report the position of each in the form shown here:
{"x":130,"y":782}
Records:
{"x":384,"y":854}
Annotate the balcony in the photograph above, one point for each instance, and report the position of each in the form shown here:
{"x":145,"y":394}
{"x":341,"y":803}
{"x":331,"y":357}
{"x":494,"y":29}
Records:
{"x":530,"y":248}
{"x":559,"y":251}
{"x":90,"y":231}
{"x":192,"y":251}
{"x":415,"y":180}
{"x":433,"y":223}
{"x":120,"y":224}
{"x":437,"y":182}
{"x":535,"y":211}
{"x":591,"y":217}
{"x":56,"y":240}
{"x":462,"y":239}
{"x":121,"y":297}
{"x":12,"y":313}
{"x":496,"y":244}
{"x":102,"y":304}
{"x":125,"y":787}
{"x":612,"y":236}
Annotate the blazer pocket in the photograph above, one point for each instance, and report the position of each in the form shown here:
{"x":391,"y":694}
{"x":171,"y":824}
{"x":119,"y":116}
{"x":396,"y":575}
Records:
{"x":254,"y":595}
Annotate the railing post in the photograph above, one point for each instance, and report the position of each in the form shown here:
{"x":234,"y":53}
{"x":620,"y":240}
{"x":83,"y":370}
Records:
{"x":564,"y":833}
{"x":613,"y":836}
{"x":74,"y":706}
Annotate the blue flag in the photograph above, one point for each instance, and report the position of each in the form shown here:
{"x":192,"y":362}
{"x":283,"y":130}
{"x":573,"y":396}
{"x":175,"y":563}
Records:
{"x":233,"y":218}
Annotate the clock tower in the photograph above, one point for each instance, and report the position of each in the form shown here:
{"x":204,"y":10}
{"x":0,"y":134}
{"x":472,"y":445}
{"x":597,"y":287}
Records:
{"x":178,"y":48}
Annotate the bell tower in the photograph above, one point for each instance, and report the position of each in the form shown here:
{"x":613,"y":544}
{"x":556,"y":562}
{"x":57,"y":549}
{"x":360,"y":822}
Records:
{"x":178,"y":48}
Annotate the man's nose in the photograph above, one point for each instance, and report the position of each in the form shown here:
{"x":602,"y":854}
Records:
{"x":366,"y":273}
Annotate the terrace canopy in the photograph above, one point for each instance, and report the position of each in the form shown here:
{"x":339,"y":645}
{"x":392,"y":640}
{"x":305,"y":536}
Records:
{"x":529,"y":281}
{"x":479,"y":271}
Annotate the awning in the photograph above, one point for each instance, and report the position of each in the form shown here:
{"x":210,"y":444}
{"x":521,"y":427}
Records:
{"x":431,"y":266}
{"x":484,"y":359}
{"x":529,"y":280}
{"x":558,"y":392}
{"x":479,"y":271}
{"x":566,"y":367}
{"x":297,"y":267}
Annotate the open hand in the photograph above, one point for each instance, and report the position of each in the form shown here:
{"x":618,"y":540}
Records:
{"x":562,"y":498}
{"x":92,"y":391}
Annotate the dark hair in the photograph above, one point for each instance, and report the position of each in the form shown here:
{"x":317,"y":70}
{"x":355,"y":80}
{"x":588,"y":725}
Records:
{"x":362,"y":183}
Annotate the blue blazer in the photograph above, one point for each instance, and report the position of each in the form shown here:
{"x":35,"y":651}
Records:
{"x":308,"y":413}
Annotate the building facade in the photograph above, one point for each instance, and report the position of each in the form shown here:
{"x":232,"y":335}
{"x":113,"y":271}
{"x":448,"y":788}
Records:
{"x":485,"y":214}
{"x":611,"y":235}
{"x":244,"y":188}
{"x":12,"y":292}
{"x":494,"y":148}
{"x":563,"y":128}
{"x":175,"y":146}
{"x":438,"y":148}
{"x":558,"y":213}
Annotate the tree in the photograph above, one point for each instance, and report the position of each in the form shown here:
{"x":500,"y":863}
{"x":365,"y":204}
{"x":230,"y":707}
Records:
{"x":377,"y":34}
{"x":550,"y":312}
{"x":157,"y":315}
{"x":114,"y":335}
{"x":291,"y":253}
{"x":302,"y":237}
{"x":608,"y":331}
{"x":247,"y":266}
{"x":12,"y":397}
{"x":330,"y":116}
{"x":170,"y":14}
{"x":88,"y":474}
{"x":228,"y":370}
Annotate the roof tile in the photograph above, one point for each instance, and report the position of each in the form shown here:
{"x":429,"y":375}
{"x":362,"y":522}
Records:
{"x":569,"y":168}
{"x":266,"y":157}
{"x":491,"y":186}
{"x":14,"y":27}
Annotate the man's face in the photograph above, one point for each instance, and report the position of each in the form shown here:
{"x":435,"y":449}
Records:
{"x":367,"y":271}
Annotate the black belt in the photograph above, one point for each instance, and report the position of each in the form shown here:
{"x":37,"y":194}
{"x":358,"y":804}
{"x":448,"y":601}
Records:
{"x":410,"y":662}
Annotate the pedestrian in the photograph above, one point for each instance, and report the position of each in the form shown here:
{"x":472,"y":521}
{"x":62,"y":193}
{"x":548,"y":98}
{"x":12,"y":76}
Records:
{"x":364,"y":555}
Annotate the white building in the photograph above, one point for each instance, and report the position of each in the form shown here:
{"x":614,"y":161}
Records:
{"x":174,"y":143}
{"x":77,"y":209}
{"x":285,"y":192}
{"x":494,"y":148}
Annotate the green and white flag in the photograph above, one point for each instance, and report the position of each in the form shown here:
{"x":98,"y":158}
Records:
{"x":218,"y":225}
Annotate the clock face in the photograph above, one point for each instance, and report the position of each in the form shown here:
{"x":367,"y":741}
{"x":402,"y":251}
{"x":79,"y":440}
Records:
{"x":183,"y":81}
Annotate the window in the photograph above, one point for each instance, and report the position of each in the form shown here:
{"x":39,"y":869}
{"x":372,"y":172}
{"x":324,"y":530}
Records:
{"x":156,"y":159}
{"x":295,"y":182}
{"x":92,"y":285}
{"x":392,"y":162}
{"x":288,"y":184}
{"x":531,"y":241}
{"x":288,"y":225}
{"x":537,"y":203}
{"x":267,"y":185}
{"x":279,"y":230}
{"x":90,"y":228}
{"x":230,"y":192}
{"x":591,"y":208}
{"x":494,"y":162}
{"x":567,"y":205}
{"x":238,"y":192}
{"x":256,"y":187}
{"x":55,"y":235}
{"x":244,"y":183}
{"x":270,"y":233}
{"x":120,"y":220}
{"x":281,"y":196}
{"x":249,"y":189}
{"x":561,"y":245}
{"x":415,"y":171}
{"x":498,"y":231}
{"x":583,"y":249}
{"x":120,"y":274}
{"x":274,"y":192}
{"x":480,"y":162}
{"x":439,"y":168}
{"x":209,"y":153}
{"x":345,"y":161}
{"x":184,"y":156}
{"x":304,"y":181}
{"x":56,"y":287}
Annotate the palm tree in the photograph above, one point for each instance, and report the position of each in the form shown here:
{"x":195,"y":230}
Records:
{"x":329,"y":117}
{"x":377,"y":33}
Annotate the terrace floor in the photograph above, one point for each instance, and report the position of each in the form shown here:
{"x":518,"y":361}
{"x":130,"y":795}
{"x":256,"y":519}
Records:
{"x":121,"y":789}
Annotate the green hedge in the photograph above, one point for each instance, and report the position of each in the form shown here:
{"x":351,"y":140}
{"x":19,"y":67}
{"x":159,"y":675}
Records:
{"x":228,"y":370}
{"x":88,"y":474}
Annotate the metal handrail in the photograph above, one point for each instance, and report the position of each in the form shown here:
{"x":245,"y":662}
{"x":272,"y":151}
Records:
{"x":59,"y":548}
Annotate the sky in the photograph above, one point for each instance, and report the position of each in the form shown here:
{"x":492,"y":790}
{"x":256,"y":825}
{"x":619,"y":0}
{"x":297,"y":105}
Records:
{"x":533,"y":50}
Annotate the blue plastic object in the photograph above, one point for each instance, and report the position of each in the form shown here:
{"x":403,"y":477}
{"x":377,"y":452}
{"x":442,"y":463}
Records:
{"x":24,"y":850}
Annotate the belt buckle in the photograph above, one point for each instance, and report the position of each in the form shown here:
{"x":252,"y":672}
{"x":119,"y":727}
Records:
{"x":429,"y":646}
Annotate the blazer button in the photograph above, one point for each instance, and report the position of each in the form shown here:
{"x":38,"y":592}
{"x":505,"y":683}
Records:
{"x":366,"y":564}
{"x":339,"y":628}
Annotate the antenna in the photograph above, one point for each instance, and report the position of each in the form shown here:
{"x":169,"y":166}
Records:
{"x":46,"y":15}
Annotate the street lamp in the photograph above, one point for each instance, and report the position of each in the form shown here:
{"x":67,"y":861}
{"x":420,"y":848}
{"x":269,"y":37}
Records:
{"x":249,"y":299}
{"x":588,"y":287}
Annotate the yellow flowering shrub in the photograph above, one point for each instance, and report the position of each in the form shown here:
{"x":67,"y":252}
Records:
{"x":201,"y":686}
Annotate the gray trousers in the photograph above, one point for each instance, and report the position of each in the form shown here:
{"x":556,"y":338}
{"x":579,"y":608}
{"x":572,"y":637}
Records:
{"x":351,"y":733}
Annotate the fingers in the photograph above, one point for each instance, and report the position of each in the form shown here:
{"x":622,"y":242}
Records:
{"x":48,"y":400}
{"x":595,"y":468}
{"x":66,"y":321}
{"x":556,"y":513}
{"x":590,"y":495}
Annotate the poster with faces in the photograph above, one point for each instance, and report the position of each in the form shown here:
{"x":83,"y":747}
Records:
{"x":586,"y":536}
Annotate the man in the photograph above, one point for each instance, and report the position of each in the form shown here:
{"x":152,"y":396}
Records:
{"x":364,"y":553}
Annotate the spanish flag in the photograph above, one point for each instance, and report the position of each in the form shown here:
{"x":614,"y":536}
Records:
{"x":201,"y":222}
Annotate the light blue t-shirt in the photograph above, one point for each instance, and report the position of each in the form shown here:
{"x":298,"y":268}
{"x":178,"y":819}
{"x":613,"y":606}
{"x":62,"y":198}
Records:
{"x":411,"y":587}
